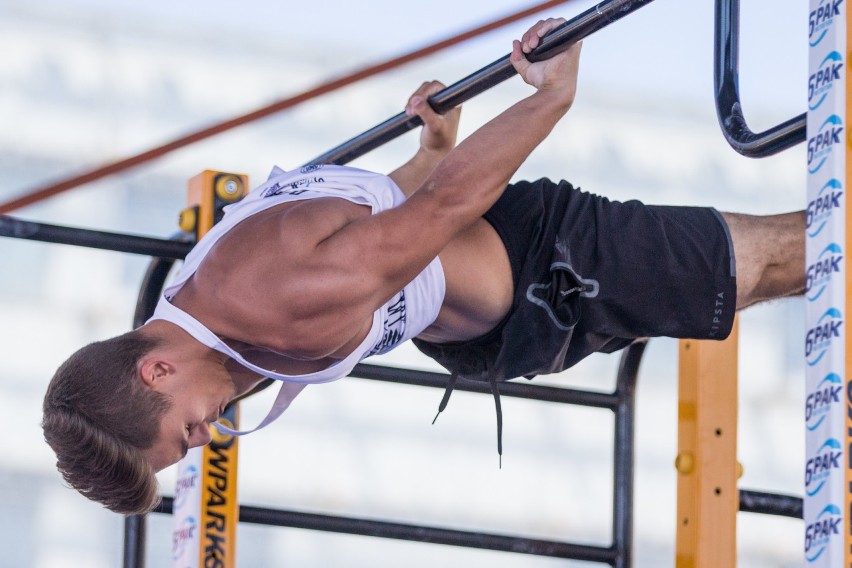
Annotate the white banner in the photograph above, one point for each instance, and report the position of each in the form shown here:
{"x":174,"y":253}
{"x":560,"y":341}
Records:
{"x":825,"y":348}
{"x":186,"y":533}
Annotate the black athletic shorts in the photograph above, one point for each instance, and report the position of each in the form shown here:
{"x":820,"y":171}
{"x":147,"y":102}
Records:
{"x":592,"y":275}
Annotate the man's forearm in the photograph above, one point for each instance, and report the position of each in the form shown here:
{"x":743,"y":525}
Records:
{"x":474,"y":174}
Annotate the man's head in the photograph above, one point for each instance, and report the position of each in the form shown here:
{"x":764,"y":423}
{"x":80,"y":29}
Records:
{"x":118,"y":411}
{"x":99,"y":418}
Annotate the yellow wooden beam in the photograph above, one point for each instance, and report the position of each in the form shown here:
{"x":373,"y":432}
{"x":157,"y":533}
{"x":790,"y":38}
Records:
{"x":707,"y":495}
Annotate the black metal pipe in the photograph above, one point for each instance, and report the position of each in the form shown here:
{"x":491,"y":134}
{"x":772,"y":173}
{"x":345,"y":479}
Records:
{"x":134,"y":541}
{"x":624,"y":454}
{"x":560,"y":39}
{"x":152,"y":287}
{"x":771,"y":504}
{"x":510,"y":388}
{"x":401,"y":531}
{"x":728,"y":106}
{"x":20,"y":229}
{"x":154,"y":281}
{"x":149,"y":293}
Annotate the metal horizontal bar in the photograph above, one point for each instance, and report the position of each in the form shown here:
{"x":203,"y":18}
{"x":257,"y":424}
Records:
{"x":400,"y":531}
{"x":771,"y":504}
{"x":163,"y":248}
{"x":507,"y":388}
{"x":728,"y":106}
{"x":560,"y":39}
{"x":61,"y":186}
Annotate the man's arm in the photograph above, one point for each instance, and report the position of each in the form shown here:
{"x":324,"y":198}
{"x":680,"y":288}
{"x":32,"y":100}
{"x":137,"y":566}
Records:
{"x":334,"y":264}
{"x":437,"y":138}
{"x":380,"y":254}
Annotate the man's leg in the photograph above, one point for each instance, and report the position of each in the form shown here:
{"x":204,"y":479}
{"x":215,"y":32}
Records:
{"x":770,"y":255}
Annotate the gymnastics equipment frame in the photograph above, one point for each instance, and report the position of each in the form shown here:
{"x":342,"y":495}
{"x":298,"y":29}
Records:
{"x":620,"y":402}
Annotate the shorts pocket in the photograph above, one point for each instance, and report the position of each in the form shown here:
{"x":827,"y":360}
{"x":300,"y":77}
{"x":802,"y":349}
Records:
{"x":560,"y":297}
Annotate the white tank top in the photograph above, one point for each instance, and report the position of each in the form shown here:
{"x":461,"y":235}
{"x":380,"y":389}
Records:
{"x":408,"y":313}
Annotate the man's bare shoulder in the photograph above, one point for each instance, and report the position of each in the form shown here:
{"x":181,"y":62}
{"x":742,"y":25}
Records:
{"x":292,"y":226}
{"x":261,"y":282}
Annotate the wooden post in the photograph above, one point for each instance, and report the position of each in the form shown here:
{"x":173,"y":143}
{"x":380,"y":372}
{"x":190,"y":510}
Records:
{"x":707,"y":495}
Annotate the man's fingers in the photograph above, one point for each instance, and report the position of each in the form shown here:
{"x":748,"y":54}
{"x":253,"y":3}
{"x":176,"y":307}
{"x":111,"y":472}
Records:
{"x":418,"y":98}
{"x":532,"y":38}
{"x":419,"y":106}
{"x":517,"y":58}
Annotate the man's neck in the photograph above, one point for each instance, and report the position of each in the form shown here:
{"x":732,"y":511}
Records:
{"x":178,"y":339}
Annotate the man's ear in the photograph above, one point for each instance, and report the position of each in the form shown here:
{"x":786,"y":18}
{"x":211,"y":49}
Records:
{"x":154,"y":369}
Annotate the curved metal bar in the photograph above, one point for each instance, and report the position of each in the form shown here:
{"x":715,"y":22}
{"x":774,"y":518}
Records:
{"x":728,"y":105}
{"x":624,"y":450}
{"x":152,"y":286}
{"x":559,"y":40}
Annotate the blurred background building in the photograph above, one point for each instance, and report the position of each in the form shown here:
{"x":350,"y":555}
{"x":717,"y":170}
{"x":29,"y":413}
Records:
{"x":85,"y":82}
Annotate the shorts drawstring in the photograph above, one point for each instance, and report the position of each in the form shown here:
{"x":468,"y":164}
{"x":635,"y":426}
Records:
{"x":451,"y":385}
{"x":496,"y":392}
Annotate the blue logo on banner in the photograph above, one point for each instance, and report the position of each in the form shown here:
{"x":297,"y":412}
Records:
{"x":819,"y":274}
{"x":820,"y":209}
{"x":820,"y":146}
{"x":821,"y":19}
{"x":819,"y":403}
{"x":184,"y":485}
{"x":183,"y":536}
{"x":821,"y":82}
{"x":819,"y":338}
{"x":819,"y":533}
{"x":819,"y":467}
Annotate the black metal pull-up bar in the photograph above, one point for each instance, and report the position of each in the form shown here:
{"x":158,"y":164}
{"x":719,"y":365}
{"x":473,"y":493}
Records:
{"x":330,"y":85}
{"x":120,"y":242}
{"x":558,"y":40}
{"x":728,"y":105}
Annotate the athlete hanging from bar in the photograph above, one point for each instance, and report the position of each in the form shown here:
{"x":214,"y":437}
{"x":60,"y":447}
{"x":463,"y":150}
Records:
{"x":319,"y":268}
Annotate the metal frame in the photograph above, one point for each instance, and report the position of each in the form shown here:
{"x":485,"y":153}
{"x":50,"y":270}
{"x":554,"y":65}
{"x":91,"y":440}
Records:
{"x":753,"y":145}
{"x":120,"y":242}
{"x":728,"y":106}
{"x":621,"y":402}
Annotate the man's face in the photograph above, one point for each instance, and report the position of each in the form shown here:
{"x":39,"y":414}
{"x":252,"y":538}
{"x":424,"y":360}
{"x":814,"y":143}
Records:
{"x":199,"y":392}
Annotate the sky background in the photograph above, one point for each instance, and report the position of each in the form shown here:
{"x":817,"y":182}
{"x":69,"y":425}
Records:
{"x":632,"y":52}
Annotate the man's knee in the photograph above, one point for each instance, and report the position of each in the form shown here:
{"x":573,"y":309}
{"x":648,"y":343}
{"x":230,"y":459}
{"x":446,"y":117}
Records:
{"x":770,"y":255}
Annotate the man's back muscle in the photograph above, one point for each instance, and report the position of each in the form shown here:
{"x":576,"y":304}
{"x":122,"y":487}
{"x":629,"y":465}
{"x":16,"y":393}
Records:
{"x":263,"y":284}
